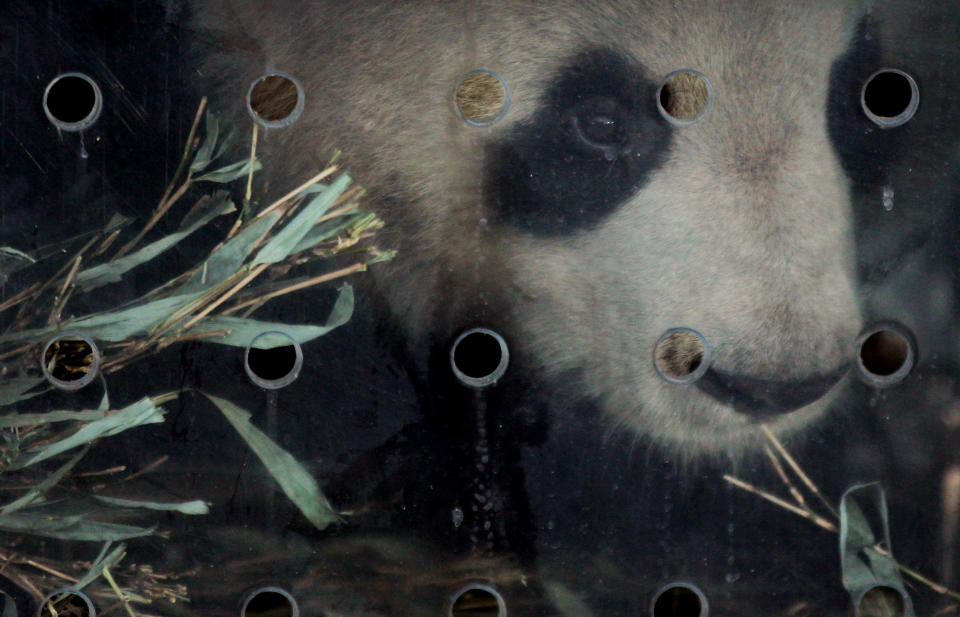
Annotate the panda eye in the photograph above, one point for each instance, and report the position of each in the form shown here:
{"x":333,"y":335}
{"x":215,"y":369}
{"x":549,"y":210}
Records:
{"x":600,"y":124}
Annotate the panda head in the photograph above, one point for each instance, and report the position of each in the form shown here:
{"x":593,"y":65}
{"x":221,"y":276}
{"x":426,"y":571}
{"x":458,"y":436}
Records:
{"x":583,"y":223}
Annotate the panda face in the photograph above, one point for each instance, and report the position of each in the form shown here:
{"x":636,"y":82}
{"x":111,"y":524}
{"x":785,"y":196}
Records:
{"x":588,"y":220}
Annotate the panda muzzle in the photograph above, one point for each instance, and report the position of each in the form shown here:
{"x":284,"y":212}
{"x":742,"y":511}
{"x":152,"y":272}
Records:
{"x":761,"y":398}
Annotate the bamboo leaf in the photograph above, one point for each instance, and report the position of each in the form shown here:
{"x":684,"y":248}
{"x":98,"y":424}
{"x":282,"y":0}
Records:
{"x":114,"y":326}
{"x":16,"y":390}
{"x":242,"y":331}
{"x":328,"y":229}
{"x":293,"y":478}
{"x":113,"y":271}
{"x":286,"y":240}
{"x":230,"y":172}
{"x":48,"y":483}
{"x":142,"y":412}
{"x":227,"y":259}
{"x":187,"y":507}
{"x":73,"y":527}
{"x":49,"y":417}
{"x":204,"y":153}
{"x":9,"y":606}
{"x":862,"y":565}
{"x":12,"y":260}
{"x":104,"y":560}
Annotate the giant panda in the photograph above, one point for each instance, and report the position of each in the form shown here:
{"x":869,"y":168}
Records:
{"x":581,"y":224}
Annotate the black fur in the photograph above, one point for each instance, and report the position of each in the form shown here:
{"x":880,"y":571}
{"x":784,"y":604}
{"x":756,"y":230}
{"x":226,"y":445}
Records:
{"x":595,"y":140}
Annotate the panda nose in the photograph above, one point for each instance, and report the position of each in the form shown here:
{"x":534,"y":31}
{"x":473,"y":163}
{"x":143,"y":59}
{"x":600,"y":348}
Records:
{"x":767,"y":397}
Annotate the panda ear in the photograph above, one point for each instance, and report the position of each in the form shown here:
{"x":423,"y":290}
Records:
{"x":864,"y":149}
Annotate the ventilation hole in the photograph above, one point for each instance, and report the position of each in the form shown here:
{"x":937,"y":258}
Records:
{"x":273,"y":360}
{"x":275,"y":100}
{"x":67,"y":603}
{"x":479,"y":357}
{"x":482,"y":98}
{"x":72,"y":101}
{"x":679,"y":600}
{"x":478,"y":601}
{"x":70,"y":360}
{"x":685,"y":97}
{"x":681,"y":355}
{"x":883,"y":601}
{"x":885,"y":354}
{"x":890,"y":98}
{"x":270,"y":602}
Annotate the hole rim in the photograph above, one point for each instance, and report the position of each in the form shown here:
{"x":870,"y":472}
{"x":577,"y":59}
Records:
{"x":292,"y":117}
{"x":83,"y":123}
{"x":706,"y":108}
{"x":91,"y":609}
{"x":280,"y":382}
{"x":295,"y":612}
{"x":885,"y":381}
{"x":704,"y":604}
{"x":889,"y":122}
{"x":697,"y":373}
{"x":75,"y":384}
{"x":904,"y":596}
{"x":507,"y":99}
{"x":494,"y":376}
{"x":481,"y":586}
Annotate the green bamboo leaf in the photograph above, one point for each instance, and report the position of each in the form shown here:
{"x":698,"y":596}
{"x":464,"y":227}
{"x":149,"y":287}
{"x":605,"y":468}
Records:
{"x":113,"y":326}
{"x":48,"y":483}
{"x":862,"y":566}
{"x":104,"y":560}
{"x":204,"y":153}
{"x":32,"y":419}
{"x":187,"y":507}
{"x":17,"y":389}
{"x":286,"y":240}
{"x":73,"y":527}
{"x":293,"y":478}
{"x":229,"y":173}
{"x":12,"y":260}
{"x":142,"y":412}
{"x":9,"y":606}
{"x":113,"y":271}
{"x":242,"y":331}
{"x":329,"y":229}
{"x":226,"y":260}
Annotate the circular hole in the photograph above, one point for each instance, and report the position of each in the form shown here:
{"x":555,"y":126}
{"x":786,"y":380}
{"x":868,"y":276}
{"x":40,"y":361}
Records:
{"x":886,"y":354}
{"x":883,"y":601}
{"x":479,"y":357}
{"x":275,"y":100}
{"x":72,"y":101}
{"x":478,"y":601}
{"x":482,"y":97}
{"x":685,"y":96}
{"x":679,"y":600}
{"x":67,"y":603}
{"x":681,"y":355}
{"x":273,"y":360}
{"x":70,"y":360}
{"x":270,"y":602}
{"x":890,"y":98}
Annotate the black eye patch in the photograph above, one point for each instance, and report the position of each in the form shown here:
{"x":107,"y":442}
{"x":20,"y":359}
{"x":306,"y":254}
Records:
{"x":594,"y":141}
{"x":864,"y":148}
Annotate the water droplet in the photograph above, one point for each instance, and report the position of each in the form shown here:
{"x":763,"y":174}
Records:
{"x":887,"y":198}
{"x":732,"y":577}
{"x":457,"y":515}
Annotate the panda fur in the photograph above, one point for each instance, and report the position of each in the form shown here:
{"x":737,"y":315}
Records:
{"x":581,"y":468}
